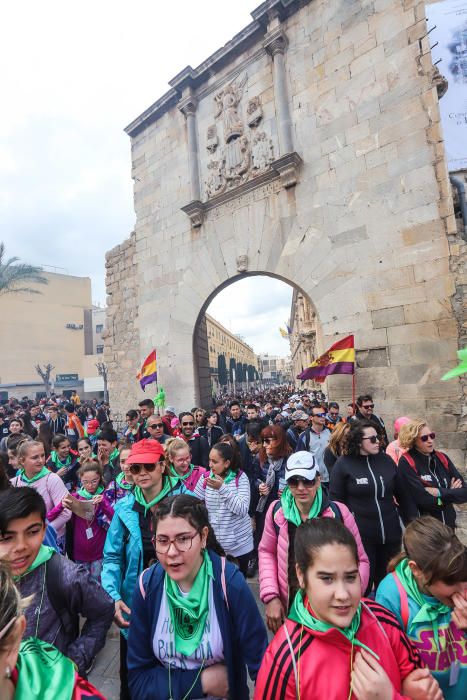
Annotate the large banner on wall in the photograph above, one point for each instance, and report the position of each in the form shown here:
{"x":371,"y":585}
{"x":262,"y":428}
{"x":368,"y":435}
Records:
{"x":450,"y":19}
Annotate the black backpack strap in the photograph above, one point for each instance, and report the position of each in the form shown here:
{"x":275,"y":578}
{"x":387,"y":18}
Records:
{"x":277,"y":505}
{"x":336,"y":510}
{"x":57,"y":596}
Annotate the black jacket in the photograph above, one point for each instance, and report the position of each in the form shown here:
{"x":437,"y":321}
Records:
{"x":212,"y":435}
{"x":430,"y":472}
{"x":237,"y":426}
{"x":199,"y":448}
{"x":367,"y":486}
{"x":379,"y":427}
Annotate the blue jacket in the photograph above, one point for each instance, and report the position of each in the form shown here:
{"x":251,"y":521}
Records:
{"x":123,"y":550}
{"x":242,"y":628}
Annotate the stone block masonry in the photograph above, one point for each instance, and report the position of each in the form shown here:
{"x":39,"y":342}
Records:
{"x":308,"y":148}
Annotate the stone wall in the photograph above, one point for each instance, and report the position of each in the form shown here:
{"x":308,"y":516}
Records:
{"x":362,"y":226}
{"x":121,"y":335}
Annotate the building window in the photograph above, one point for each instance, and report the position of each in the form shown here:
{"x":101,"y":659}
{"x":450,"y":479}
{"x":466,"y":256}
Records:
{"x":100,"y":349}
{"x":99,"y":328}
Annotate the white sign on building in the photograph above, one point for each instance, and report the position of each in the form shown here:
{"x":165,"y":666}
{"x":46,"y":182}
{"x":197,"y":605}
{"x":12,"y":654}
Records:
{"x":450,"y":19}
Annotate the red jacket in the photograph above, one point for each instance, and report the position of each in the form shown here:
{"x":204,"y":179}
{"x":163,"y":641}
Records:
{"x":323,"y":658}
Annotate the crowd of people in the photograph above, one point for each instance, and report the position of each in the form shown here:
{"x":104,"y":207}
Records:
{"x":157,"y":525}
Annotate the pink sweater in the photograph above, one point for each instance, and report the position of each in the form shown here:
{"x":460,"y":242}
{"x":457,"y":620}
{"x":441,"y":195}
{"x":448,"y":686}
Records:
{"x":53,"y":490}
{"x":273,"y":554}
{"x":395,"y":451}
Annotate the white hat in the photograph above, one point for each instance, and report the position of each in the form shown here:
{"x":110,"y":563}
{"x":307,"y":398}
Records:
{"x":301,"y":464}
{"x":170,"y":409}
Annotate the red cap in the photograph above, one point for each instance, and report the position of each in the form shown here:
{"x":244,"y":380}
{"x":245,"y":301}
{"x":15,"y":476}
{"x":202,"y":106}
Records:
{"x":145,"y":452}
{"x":92,"y":426}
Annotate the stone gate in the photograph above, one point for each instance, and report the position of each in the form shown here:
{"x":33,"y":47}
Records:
{"x":307,"y":148}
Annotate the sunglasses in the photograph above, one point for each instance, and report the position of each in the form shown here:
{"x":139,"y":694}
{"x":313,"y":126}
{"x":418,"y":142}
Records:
{"x":294,"y":482}
{"x":369,"y":405}
{"x":136,"y":468}
{"x":319,"y":415}
{"x":425,"y":438}
{"x":267,"y":441}
{"x":156,"y":425}
{"x":373,"y":439}
{"x":191,"y":422}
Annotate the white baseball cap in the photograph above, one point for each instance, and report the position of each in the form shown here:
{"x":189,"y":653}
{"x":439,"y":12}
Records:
{"x":301,"y":464}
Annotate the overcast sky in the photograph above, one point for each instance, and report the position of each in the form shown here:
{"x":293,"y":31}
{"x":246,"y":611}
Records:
{"x":74,"y":74}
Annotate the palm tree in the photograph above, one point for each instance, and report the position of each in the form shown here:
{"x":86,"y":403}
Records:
{"x":14,"y":275}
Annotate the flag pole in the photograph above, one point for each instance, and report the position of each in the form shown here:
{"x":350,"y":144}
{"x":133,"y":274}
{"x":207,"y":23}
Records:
{"x":353,"y":389}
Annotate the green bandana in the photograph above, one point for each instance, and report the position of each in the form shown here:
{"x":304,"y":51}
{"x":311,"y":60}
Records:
{"x":43,"y":555}
{"x":139,"y":496}
{"x":85,"y":494}
{"x":113,"y":455}
{"x":188,"y":614}
{"x":290,"y":509}
{"x":122,"y":482}
{"x":43,"y":472}
{"x":58,"y":464}
{"x":230,"y":476}
{"x":299,"y":612}
{"x":182,"y":477}
{"x":430,"y":608}
{"x":43,"y":671}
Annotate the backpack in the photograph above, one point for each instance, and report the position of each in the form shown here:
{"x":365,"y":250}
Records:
{"x":442,"y":458}
{"x":333,"y":506}
{"x":58,"y":598}
{"x":404,"y":601}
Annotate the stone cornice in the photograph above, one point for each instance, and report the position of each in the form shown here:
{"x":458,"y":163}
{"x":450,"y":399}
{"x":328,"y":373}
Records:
{"x":195,"y":77}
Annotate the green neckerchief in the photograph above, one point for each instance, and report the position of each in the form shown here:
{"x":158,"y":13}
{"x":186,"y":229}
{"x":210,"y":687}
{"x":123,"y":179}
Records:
{"x":230,"y":476}
{"x":85,"y":494}
{"x":57,"y":462}
{"x":188,"y":614}
{"x":43,"y":555}
{"x":43,"y":472}
{"x":301,"y":613}
{"x":113,"y":455}
{"x":43,"y":670}
{"x":122,"y":482}
{"x":430,"y":608}
{"x":290,"y":508}
{"x":182,"y":477}
{"x":139,"y":496}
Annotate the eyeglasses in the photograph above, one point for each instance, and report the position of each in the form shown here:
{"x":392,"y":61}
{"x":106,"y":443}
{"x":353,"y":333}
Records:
{"x":369,"y":405}
{"x":156,"y":425}
{"x":267,"y":441}
{"x":373,"y":439}
{"x":191,"y":422}
{"x":136,"y":468}
{"x":182,"y":543}
{"x":90,"y":483}
{"x":319,"y":415}
{"x":425,"y":438}
{"x":295,"y":481}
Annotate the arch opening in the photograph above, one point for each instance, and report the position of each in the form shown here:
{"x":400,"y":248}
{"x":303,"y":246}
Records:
{"x":255,"y":330}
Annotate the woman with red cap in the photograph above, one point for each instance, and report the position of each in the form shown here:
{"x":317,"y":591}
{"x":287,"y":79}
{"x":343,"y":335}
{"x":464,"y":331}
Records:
{"x":129,"y":547}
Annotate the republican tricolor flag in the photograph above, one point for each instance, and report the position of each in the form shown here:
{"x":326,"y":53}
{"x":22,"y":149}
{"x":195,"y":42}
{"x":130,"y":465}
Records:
{"x":339,"y":359}
{"x":148,"y":373}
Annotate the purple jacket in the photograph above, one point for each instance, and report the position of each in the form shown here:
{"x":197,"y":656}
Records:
{"x":273,"y":553}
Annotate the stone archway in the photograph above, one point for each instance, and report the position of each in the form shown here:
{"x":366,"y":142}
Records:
{"x":300,"y":151}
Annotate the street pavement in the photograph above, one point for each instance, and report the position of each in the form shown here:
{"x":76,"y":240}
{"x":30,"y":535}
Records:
{"x":105,"y":674}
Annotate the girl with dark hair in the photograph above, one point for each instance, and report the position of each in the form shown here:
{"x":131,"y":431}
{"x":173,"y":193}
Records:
{"x":62,"y":461}
{"x":28,"y":427}
{"x":210,"y":428}
{"x":44,"y":435}
{"x":335,"y":645}
{"x":226,"y":492}
{"x":367,"y":482}
{"x":426,"y":590}
{"x":195,"y":626}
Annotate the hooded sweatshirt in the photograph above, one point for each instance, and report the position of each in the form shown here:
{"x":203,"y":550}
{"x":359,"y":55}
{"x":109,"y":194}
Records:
{"x":324,"y":658}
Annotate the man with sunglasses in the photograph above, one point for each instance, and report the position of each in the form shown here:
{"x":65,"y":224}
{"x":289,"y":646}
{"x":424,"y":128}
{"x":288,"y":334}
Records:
{"x":302,"y":500}
{"x":199,"y":446}
{"x":155,"y":428}
{"x":315,"y":440}
{"x":365,"y":406}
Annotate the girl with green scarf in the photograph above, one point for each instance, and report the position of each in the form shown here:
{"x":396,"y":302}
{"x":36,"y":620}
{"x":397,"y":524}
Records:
{"x":63,"y":462}
{"x":333,"y":644}
{"x":32,"y":668}
{"x":195,"y":626}
{"x":178,"y":460}
{"x":427,"y":591}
